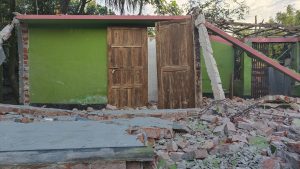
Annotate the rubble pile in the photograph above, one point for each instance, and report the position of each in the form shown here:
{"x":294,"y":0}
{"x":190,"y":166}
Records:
{"x":261,"y":133}
{"x":237,"y":133}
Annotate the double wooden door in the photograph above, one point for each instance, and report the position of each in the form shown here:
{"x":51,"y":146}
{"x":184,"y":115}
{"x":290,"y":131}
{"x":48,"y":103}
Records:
{"x":128,"y":65}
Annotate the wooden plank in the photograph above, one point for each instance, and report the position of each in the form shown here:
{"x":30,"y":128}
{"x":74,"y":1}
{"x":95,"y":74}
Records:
{"x":127,"y":66}
{"x":175,"y":64}
{"x":210,"y":62}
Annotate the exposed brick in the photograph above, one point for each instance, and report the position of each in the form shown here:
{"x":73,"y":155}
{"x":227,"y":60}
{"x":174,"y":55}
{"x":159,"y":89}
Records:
{"x":270,"y":163}
{"x":134,"y":165}
{"x":108,"y":165}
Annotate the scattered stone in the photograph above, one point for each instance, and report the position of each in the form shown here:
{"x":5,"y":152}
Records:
{"x":111,"y":107}
{"x":172,"y":146}
{"x":153,"y":107}
{"x":89,"y":109}
{"x":219,"y":130}
{"x":152,"y":132}
{"x":189,"y":156}
{"x":294,"y":147}
{"x":190,"y":148}
{"x":220,"y":149}
{"x":208,"y":144}
{"x":210,"y":118}
{"x":245,"y":125}
{"x":182,"y":144}
{"x":295,"y":106}
{"x":229,"y":128}
{"x":24,"y":120}
{"x":181,"y":165}
{"x":296,"y":122}
{"x":267,"y":131}
{"x":201,"y":154}
{"x":270,"y":163}
{"x":293,"y":159}
{"x":176,"y":156}
{"x":163,"y":155}
{"x":239,"y":138}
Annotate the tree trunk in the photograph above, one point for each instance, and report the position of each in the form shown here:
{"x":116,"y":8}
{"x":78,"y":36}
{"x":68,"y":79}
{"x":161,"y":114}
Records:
{"x":64,"y":5}
{"x":82,"y":6}
{"x":141,"y":7}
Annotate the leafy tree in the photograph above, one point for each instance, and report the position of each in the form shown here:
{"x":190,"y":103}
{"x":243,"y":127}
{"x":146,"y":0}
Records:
{"x":216,"y":10}
{"x":291,"y":17}
{"x":52,"y":7}
{"x":96,"y":9}
{"x":130,"y":5}
{"x":171,"y":8}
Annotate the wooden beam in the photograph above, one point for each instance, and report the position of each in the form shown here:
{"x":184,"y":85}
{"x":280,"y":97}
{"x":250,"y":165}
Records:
{"x":273,"y":40}
{"x":254,"y":53}
{"x":210,"y":62}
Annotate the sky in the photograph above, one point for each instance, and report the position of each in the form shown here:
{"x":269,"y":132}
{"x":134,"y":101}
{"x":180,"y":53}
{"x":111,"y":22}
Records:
{"x":264,"y":9}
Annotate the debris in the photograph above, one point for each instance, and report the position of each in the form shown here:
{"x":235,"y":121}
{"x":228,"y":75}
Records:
{"x":270,"y":163}
{"x":210,"y":118}
{"x":111,"y":107}
{"x":245,"y":125}
{"x":201,"y":154}
{"x":176,"y":156}
{"x":294,"y":147}
{"x":208,"y":144}
{"x":172,"y":146}
{"x":205,"y":139}
{"x":239,"y":138}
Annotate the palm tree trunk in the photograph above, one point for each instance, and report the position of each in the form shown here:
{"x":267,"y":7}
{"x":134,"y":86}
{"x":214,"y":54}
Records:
{"x":141,"y":7}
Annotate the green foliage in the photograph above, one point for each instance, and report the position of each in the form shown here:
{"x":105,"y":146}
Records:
{"x":290,"y":17}
{"x":259,"y":142}
{"x":216,"y":10}
{"x":162,"y":164}
{"x":171,"y":8}
{"x":52,"y":7}
{"x":130,"y":5}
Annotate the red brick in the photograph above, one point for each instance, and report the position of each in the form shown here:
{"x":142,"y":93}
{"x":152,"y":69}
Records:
{"x":25,"y":55}
{"x":152,"y":132}
{"x":270,"y":163}
{"x":294,"y":146}
{"x":108,"y":165}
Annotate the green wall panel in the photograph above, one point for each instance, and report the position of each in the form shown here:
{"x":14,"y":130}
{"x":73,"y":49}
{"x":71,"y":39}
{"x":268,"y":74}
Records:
{"x":224,"y":55}
{"x":247,"y":75}
{"x":68,"y":64}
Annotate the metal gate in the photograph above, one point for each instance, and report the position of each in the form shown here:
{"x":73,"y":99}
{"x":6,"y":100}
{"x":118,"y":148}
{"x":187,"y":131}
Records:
{"x":259,"y":80}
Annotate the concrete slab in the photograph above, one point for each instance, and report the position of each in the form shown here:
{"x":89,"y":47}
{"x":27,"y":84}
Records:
{"x":64,"y":135}
{"x":144,"y":122}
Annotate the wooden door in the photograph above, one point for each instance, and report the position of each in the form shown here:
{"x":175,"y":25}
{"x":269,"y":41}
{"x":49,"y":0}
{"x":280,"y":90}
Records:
{"x":127,"y":66}
{"x":175,"y":64}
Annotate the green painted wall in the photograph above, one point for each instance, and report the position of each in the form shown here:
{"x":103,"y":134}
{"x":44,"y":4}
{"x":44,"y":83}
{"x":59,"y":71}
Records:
{"x":68,"y":64}
{"x":296,"y":66}
{"x":224,"y":55}
{"x":246,"y":78}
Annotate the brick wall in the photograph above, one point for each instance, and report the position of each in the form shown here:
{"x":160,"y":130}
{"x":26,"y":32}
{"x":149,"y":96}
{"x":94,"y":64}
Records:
{"x":24,"y":65}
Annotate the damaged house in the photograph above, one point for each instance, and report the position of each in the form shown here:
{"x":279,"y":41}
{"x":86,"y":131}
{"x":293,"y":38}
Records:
{"x":126,"y":62}
{"x":107,"y":59}
{"x":99,"y":60}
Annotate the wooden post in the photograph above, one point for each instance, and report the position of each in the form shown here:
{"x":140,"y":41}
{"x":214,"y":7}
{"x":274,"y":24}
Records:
{"x":210,"y":62}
